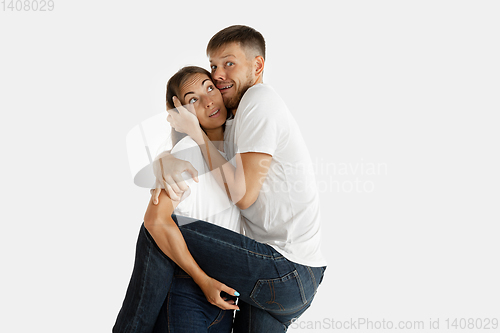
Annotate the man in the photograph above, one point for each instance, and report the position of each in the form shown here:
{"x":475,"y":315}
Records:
{"x":279,"y":266}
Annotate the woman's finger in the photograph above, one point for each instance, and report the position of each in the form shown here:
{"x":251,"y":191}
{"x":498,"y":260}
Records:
{"x":225,"y":305}
{"x":230,"y":291}
{"x":181,"y":108}
{"x":177,"y":103}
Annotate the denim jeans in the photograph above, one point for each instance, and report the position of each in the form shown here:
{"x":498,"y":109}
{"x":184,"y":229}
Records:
{"x":186,"y":310}
{"x":276,"y":288}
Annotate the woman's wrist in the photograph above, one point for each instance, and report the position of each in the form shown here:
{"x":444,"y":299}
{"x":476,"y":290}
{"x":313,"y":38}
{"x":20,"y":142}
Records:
{"x":199,"y":277}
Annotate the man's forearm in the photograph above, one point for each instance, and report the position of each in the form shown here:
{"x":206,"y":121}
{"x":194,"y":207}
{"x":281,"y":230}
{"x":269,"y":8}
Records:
{"x":231,"y":179}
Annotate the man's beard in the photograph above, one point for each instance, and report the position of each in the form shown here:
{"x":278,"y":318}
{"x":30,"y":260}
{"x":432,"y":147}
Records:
{"x":233,"y":102}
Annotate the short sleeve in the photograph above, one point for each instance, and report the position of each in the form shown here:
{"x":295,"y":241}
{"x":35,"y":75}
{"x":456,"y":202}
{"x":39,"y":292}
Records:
{"x":259,"y":122}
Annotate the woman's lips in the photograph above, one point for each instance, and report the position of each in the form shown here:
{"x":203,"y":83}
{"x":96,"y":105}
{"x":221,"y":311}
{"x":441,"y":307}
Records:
{"x":215,"y":114}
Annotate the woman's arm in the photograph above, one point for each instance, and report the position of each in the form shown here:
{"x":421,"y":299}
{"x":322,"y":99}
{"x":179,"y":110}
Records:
{"x":168,"y":237}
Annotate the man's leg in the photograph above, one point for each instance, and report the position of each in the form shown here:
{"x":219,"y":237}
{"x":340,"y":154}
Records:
{"x":262,"y":276}
{"x":251,"y":319}
{"x":148,"y":287}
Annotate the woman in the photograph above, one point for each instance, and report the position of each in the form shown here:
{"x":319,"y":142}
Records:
{"x":274,"y":290}
{"x":186,"y":308}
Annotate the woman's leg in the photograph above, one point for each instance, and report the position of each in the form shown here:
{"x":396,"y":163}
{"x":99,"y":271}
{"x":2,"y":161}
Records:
{"x":186,"y":310}
{"x":148,"y":287}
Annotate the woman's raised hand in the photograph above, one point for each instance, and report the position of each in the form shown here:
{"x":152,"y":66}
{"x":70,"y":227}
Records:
{"x":183,"y":119}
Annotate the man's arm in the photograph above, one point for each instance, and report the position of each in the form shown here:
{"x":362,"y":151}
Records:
{"x":243,"y":182}
{"x":168,"y":237}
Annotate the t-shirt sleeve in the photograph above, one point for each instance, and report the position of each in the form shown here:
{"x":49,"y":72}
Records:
{"x":259,"y":128}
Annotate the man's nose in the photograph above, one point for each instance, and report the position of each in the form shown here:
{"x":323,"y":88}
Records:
{"x":219,"y":74}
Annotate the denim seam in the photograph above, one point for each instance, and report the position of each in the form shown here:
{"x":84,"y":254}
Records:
{"x":143,"y":286}
{"x":313,"y":277}
{"x":301,"y":287}
{"x":218,"y":319}
{"x":273,"y":293}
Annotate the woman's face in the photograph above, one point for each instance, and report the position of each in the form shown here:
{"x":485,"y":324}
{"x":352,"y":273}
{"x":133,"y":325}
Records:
{"x":200,"y":91}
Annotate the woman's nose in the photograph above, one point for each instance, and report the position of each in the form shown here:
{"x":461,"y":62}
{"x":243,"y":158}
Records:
{"x":207,"y":101}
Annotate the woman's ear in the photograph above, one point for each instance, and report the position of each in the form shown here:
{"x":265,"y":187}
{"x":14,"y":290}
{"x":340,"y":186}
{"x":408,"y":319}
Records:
{"x":259,"y":65}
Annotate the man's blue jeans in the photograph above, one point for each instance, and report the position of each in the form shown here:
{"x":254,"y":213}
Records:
{"x":275,"y":288}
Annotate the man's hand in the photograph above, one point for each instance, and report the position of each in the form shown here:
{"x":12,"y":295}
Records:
{"x":183,"y":119}
{"x":212,"y":290}
{"x":168,"y":172}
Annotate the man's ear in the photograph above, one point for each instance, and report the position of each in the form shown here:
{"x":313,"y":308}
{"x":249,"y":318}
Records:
{"x":259,"y":65}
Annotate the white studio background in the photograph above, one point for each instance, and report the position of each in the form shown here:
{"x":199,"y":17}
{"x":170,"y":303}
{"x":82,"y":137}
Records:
{"x":396,"y":100}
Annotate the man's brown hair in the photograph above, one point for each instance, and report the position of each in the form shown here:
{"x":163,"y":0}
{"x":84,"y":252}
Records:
{"x":248,"y":38}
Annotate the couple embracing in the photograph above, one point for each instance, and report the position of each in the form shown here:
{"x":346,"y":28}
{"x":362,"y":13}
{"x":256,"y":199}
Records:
{"x":245,"y":234}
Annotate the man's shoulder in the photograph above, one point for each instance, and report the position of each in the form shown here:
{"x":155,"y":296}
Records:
{"x":259,"y":91}
{"x":261,"y":96}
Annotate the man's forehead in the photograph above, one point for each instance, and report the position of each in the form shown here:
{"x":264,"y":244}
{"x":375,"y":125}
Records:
{"x":226,"y":51}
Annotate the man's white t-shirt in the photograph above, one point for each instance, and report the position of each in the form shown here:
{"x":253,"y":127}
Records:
{"x":204,"y":200}
{"x":286,"y":213}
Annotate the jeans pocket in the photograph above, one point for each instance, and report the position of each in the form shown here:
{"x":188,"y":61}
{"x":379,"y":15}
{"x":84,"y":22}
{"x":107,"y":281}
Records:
{"x":282,"y":294}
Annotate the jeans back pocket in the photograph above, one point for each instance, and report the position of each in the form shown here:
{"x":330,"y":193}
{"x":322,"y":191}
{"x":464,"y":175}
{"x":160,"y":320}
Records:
{"x":282,"y":294}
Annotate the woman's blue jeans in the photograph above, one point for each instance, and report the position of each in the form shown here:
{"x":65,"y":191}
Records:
{"x":273,"y":290}
{"x":186,"y":310}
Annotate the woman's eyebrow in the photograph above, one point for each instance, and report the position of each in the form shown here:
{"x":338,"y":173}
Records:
{"x":190,"y":92}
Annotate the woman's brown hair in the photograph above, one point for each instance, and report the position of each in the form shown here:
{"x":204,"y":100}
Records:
{"x":174,"y":87}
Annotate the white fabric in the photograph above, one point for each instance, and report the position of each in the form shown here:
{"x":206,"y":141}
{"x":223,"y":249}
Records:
{"x":205,"y":200}
{"x":286,"y":213}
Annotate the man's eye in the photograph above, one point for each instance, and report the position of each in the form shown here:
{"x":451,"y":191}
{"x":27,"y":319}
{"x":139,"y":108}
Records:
{"x":213,"y":67}
{"x":192,"y":100}
{"x":229,"y":63}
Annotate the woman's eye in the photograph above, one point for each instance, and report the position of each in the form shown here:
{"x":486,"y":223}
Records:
{"x":210,"y":88}
{"x":229,"y":63}
{"x":192,"y":100}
